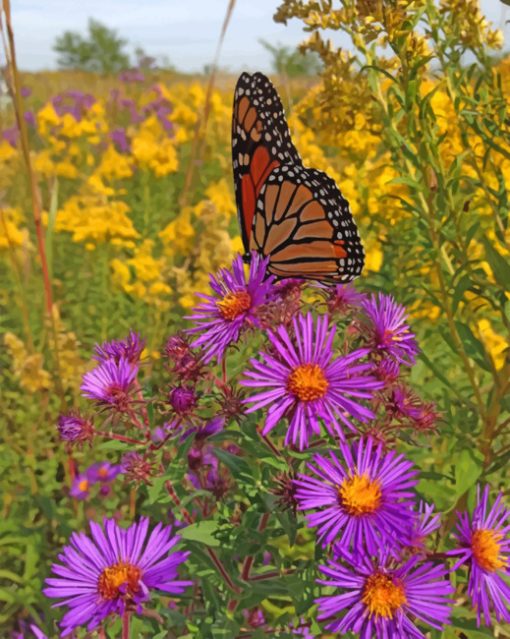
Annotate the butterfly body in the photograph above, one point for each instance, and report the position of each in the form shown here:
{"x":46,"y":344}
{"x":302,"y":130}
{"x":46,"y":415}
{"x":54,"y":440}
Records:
{"x":292,"y":214}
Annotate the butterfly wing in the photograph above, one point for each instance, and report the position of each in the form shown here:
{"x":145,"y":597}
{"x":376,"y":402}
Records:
{"x":260,"y":143}
{"x":303,"y":223}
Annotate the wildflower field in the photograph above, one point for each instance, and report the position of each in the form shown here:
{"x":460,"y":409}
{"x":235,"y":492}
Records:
{"x":193,"y":448}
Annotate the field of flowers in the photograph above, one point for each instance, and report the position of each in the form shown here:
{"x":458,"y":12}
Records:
{"x":358,"y":436}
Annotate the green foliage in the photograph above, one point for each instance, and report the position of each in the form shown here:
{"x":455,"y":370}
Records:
{"x":103,"y":51}
{"x":292,"y":63}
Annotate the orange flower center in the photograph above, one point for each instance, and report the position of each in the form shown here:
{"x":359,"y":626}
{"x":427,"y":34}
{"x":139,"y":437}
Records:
{"x":383,"y":596}
{"x":360,"y":495}
{"x":234,"y":304}
{"x":307,"y":382}
{"x":120,"y":574}
{"x":486,"y":549}
{"x":83,"y":485}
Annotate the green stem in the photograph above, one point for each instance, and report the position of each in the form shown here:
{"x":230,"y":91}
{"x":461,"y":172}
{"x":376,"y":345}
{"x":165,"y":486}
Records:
{"x":125,"y":625}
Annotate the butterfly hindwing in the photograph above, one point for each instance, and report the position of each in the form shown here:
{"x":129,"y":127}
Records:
{"x":260,"y":143}
{"x":304,"y":224}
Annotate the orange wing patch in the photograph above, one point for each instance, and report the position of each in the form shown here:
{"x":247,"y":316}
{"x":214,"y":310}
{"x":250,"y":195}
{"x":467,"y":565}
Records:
{"x":261,"y":166}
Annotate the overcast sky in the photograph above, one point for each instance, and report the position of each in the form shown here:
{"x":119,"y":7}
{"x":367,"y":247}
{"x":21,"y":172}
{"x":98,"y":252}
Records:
{"x":185,"y":31}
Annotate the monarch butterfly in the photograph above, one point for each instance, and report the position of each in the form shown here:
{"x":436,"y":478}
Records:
{"x":292,"y":214}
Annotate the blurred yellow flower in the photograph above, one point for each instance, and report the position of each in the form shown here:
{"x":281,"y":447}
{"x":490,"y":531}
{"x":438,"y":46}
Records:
{"x":221,"y":195}
{"x":496,"y":345}
{"x":92,"y":218}
{"x":27,"y":368}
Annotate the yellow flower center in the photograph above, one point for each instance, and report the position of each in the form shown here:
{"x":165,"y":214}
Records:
{"x":112,"y":578}
{"x":360,"y":495}
{"x":383,"y":596}
{"x":486,"y":549}
{"x":83,"y":485}
{"x":234,"y":304}
{"x":308,"y":382}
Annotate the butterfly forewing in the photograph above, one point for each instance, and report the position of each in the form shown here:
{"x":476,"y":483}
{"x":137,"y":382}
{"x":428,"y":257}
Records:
{"x":260,"y":143}
{"x":304,"y":224}
{"x":294,"y":215}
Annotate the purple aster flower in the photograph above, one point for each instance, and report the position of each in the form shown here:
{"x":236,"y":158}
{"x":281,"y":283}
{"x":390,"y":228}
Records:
{"x":388,"y":334}
{"x":29,"y":118}
{"x":103,"y":472}
{"x":109,"y":383}
{"x":26,"y":92}
{"x":301,"y":629}
{"x":183,"y":400}
{"x":304,"y":383}
{"x":205,"y":472}
{"x":76,"y":103}
{"x":362,"y":499}
{"x":382,"y":598}
{"x":113,"y":571}
{"x":11,"y":135}
{"x":131,"y":75}
{"x":38,"y":633}
{"x":426,"y":523}
{"x":137,"y":467}
{"x":224,"y":316}
{"x":119,"y":137}
{"x":255,"y":617}
{"x":410,"y":409}
{"x":185,"y":363}
{"x":80,"y":488}
{"x":387,"y":370}
{"x":29,"y":631}
{"x":74,"y":428}
{"x":342,"y":298}
{"x":485,"y":545}
{"x":130,"y":349}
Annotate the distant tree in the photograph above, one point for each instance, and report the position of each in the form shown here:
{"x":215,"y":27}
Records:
{"x":291,"y":62}
{"x":144,"y":61}
{"x":102,"y":51}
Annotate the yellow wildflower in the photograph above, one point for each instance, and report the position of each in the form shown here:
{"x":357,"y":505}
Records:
{"x":7,"y":152}
{"x":11,"y":235}
{"x":222,"y":197}
{"x":114,"y":165}
{"x":27,"y":368}
{"x":178,"y":234}
{"x":91,"y":218}
{"x":496,"y":345}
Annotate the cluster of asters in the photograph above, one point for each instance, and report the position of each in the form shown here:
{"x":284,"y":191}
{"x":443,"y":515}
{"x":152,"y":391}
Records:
{"x":311,"y":385}
{"x":127,"y":112}
{"x":11,"y":134}
{"x":360,"y":497}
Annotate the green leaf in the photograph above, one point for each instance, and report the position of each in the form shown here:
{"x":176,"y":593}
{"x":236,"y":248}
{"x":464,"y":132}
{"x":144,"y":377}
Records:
{"x":473,"y":346}
{"x":202,"y":532}
{"x":499,"y":265}
{"x":112,"y":445}
{"x":462,"y":286}
{"x":467,"y":471}
{"x":233,"y":462}
{"x":155,"y":492}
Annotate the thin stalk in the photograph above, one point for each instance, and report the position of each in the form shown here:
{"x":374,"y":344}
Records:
{"x":125,"y":624}
{"x":19,"y":278}
{"x":221,"y":569}
{"x":15,"y":89}
{"x":120,"y":438}
{"x":216,"y":560}
{"x":248,"y":561}
{"x":201,"y":124}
